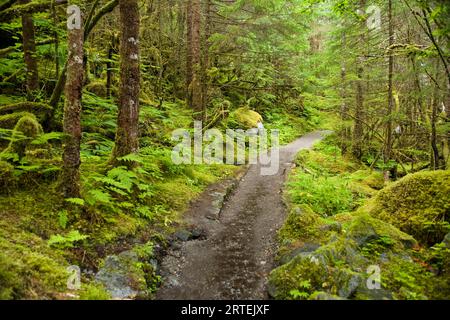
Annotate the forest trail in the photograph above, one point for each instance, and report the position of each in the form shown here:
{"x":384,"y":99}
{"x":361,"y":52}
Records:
{"x":235,"y":258}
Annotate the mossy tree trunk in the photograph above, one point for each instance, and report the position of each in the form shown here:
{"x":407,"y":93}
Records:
{"x":388,"y":139}
{"x":72,"y":114}
{"x":194,"y":75}
{"x":359,"y":107}
{"x":29,"y":51}
{"x":127,"y":135}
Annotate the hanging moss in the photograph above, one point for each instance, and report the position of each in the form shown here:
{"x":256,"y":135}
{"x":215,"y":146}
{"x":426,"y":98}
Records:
{"x":418,"y":204}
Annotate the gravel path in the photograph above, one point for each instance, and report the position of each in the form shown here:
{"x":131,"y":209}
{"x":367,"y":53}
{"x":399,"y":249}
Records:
{"x":235,"y":258}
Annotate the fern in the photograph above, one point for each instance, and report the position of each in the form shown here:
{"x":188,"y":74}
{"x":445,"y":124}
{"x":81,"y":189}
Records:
{"x":46,"y":137}
{"x":66,"y":241}
{"x":97,"y":195}
{"x":77,"y":201}
{"x":132,"y":157}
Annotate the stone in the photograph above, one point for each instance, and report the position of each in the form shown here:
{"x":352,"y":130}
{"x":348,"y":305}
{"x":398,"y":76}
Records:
{"x":183,"y":235}
{"x":120,"y":275}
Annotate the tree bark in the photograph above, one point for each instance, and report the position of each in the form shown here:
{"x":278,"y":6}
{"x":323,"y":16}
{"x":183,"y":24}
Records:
{"x":29,"y":52}
{"x":194,"y":59}
{"x":72,"y":115}
{"x":359,"y":107}
{"x":127,"y":135}
{"x":388,"y":145}
{"x":345,"y":137}
{"x":205,"y":57}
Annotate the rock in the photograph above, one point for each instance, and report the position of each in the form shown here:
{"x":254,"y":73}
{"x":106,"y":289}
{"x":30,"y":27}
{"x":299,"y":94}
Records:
{"x":365,"y":229}
{"x":198,"y":233}
{"x":335,"y":226}
{"x":120,"y":275}
{"x":364,"y":293}
{"x":305,"y":249}
{"x":183,"y":235}
{"x":416,"y":204}
{"x":320,"y":295}
{"x":350,"y":281}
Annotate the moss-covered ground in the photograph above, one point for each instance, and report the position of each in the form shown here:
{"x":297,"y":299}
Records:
{"x":349,"y":235}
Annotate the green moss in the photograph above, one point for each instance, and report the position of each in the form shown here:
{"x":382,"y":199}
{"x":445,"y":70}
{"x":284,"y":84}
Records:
{"x":302,"y":223}
{"x":294,"y":276}
{"x":8,"y":121}
{"x":93,"y":291}
{"x":364,"y":229}
{"x":245,"y":118}
{"x":26,"y":128}
{"x":97,"y":87}
{"x":7,"y":178}
{"x":40,"y":110}
{"x":418,"y":204}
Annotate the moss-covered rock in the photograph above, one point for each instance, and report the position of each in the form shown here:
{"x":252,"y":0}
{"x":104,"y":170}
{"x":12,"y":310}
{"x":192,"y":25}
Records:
{"x":365,"y":229}
{"x":8,"y":121}
{"x":418,"y":204}
{"x":26,"y":129}
{"x":245,"y":118}
{"x":302,"y":223}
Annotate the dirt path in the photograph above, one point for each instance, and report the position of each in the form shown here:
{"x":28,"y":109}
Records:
{"x":235,"y":258}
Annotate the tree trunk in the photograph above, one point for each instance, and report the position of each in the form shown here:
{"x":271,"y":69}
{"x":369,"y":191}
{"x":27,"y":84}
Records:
{"x":345,"y":137}
{"x":359,"y":107}
{"x":29,"y":50}
{"x":72,"y":114}
{"x":109,"y":67}
{"x":127,"y":135}
{"x":388,"y":145}
{"x":194,"y":58}
{"x":205,"y":57}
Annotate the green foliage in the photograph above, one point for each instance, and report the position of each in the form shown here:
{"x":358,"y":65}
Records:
{"x":66,"y":241}
{"x":326,"y":196}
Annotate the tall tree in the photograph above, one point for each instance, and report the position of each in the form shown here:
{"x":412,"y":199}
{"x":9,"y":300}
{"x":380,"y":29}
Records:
{"x":194,"y":75}
{"x":388,"y":145}
{"x":127,"y":134}
{"x":72,"y":109}
{"x":359,"y":107}
{"x":29,"y":51}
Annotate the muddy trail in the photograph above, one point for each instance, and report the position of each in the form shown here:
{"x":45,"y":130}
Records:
{"x":235,"y":244}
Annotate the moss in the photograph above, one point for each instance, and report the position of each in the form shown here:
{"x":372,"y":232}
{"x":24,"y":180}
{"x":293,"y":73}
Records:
{"x":97,"y":87}
{"x":7,"y":178}
{"x":40,"y":110}
{"x":245,"y":118}
{"x":302,"y":223}
{"x":93,"y":291}
{"x":27,"y":127}
{"x":418,"y":204}
{"x":294,"y":275}
{"x":8,"y":121}
{"x":364,"y":229}
{"x":29,"y":269}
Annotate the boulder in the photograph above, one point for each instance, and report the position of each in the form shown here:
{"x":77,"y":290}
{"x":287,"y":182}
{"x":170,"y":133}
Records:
{"x":121,"y":275}
{"x":418,"y":204}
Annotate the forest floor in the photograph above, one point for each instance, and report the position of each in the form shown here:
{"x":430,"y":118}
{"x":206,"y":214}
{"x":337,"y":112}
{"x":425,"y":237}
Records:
{"x":234,"y":257}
